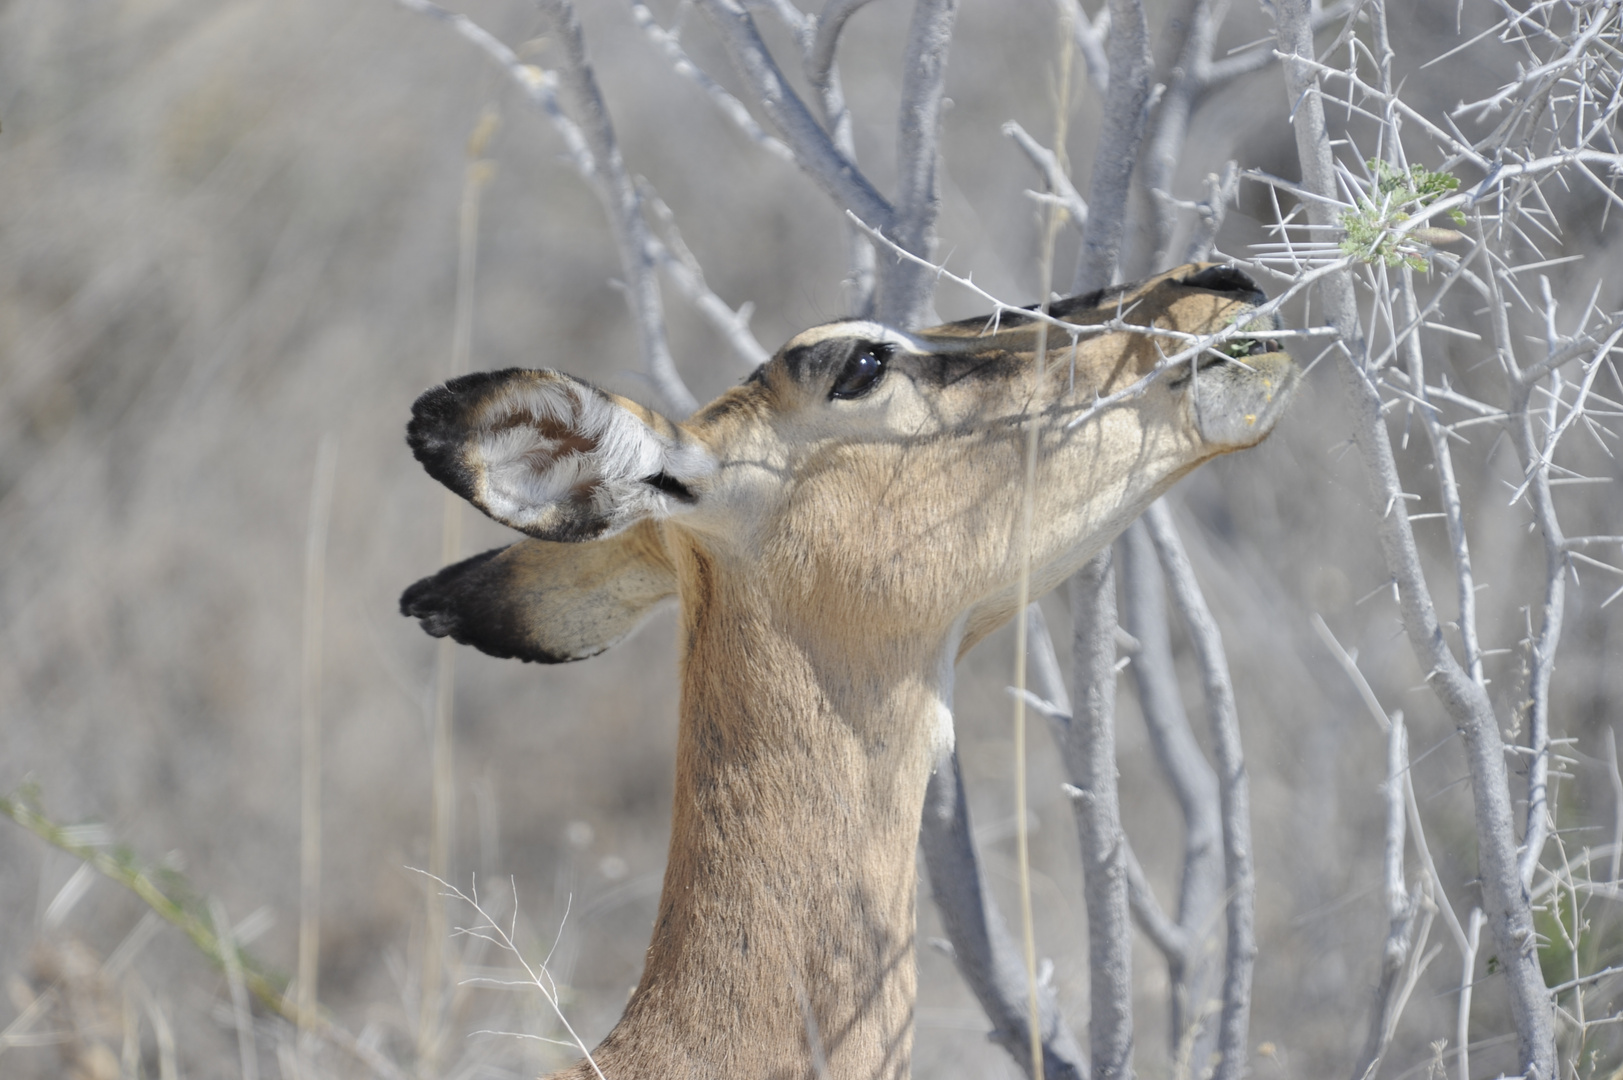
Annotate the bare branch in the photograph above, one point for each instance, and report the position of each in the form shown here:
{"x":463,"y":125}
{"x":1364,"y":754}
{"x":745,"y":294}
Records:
{"x":1198,"y":21}
{"x":1087,"y":742}
{"x":1089,"y":37}
{"x":680,"y":264}
{"x":1401,"y":907}
{"x":820,"y":61}
{"x":818,"y":40}
{"x":1233,"y":789}
{"x":618,"y":194}
{"x":1616,"y":777}
{"x":596,"y":155}
{"x":1220,"y":72}
{"x":1542,"y":650}
{"x":814,"y":151}
{"x":1053,"y":174}
{"x":982,"y":948}
{"x":538,"y":85}
{"x":733,"y":109}
{"x":1462,"y":1023}
{"x":1157,"y":925}
{"x":1220,"y":191}
{"x":1122,"y":130}
{"x":1195,"y":974}
{"x":904,"y":290}
{"x":1448,"y":488}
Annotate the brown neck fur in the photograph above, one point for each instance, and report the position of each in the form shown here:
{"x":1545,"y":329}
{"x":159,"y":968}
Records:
{"x":785,"y":928}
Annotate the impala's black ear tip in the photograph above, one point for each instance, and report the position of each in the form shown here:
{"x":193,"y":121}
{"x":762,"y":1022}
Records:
{"x":438,"y":431}
{"x":433,"y":601}
{"x":1226,"y":279}
{"x":470,"y":602}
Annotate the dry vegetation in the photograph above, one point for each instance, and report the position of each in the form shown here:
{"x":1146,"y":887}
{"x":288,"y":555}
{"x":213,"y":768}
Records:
{"x":230,"y":230}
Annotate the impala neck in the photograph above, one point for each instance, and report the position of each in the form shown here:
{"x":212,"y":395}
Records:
{"x":784,"y":942}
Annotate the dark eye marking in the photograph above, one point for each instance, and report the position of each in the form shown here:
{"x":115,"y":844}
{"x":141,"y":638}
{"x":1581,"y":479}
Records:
{"x":671,"y":486}
{"x":861,"y":372}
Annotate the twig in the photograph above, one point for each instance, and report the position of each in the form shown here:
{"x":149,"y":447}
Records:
{"x":729,"y":106}
{"x":535,"y":975}
{"x":1448,"y":488}
{"x":1617,"y":804}
{"x":1194,"y":969}
{"x":592,"y":148}
{"x":1087,"y":741}
{"x":1462,"y":1020}
{"x":1220,"y":72}
{"x":982,"y":948}
{"x":683,"y":269}
{"x":1220,"y":191}
{"x":820,"y":62}
{"x":1088,"y":37}
{"x":819,"y":39}
{"x":1157,"y":925}
{"x":904,"y":289}
{"x":1233,"y":789}
{"x":619,"y":196}
{"x":1401,"y":907}
{"x":247,"y":1054}
{"x":1185,"y":83}
{"x":315,"y":572}
{"x":814,"y":152}
{"x":1053,"y":174}
{"x":1122,"y":131}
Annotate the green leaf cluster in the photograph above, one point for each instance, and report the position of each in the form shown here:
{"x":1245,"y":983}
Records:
{"x":1395,"y":194}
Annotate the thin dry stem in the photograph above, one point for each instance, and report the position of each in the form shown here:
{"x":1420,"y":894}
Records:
{"x":315,"y":590}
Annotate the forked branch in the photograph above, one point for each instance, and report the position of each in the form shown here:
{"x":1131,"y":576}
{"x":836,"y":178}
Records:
{"x":1232,"y":785}
{"x":1195,"y":967}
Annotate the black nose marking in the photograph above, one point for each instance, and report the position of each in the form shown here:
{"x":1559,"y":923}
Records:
{"x":1226,"y":279}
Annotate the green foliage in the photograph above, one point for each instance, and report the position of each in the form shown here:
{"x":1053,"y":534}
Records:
{"x":1396,"y":195}
{"x":1571,"y":943}
{"x":164,"y":890}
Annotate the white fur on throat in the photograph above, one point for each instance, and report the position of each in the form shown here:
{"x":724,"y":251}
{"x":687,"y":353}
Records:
{"x":944,"y":736}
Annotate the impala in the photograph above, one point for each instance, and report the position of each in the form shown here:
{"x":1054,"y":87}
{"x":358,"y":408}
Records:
{"x":838,"y":530}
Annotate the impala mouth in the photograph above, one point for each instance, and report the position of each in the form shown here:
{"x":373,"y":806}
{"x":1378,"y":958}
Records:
{"x":1234,"y":351}
{"x":1240,"y":390}
{"x":1240,"y":348}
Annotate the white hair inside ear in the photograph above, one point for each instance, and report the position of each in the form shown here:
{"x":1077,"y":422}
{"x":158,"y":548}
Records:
{"x":556,"y":454}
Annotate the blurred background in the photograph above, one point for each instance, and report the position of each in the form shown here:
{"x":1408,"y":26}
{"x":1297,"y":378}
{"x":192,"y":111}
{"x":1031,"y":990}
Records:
{"x":228,"y":229}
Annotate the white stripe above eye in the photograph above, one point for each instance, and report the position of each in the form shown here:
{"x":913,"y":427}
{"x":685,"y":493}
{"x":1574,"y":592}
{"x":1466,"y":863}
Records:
{"x":858,"y":329}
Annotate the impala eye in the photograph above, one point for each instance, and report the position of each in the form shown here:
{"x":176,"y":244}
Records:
{"x":861,"y":372}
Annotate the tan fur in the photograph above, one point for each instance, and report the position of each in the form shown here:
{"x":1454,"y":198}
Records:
{"x":835,"y":558}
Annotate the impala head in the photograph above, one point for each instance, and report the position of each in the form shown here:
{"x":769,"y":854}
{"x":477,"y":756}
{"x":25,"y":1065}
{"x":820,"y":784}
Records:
{"x":839,"y":528}
{"x":863,"y":476}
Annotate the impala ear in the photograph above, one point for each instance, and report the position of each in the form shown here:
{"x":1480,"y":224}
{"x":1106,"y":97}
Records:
{"x":544,"y":601}
{"x":553,"y":456}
